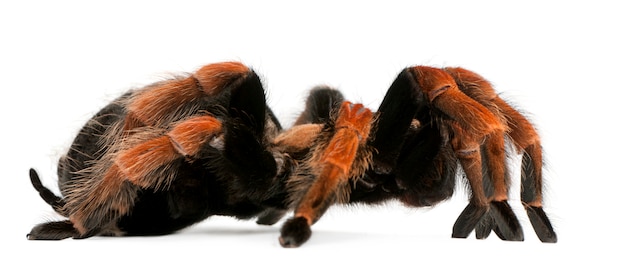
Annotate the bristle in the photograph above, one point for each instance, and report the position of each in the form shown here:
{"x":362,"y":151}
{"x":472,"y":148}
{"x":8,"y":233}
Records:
{"x":149,"y":107}
{"x":96,"y":207}
{"x":137,"y":162}
{"x":297,"y":138}
{"x":165,"y":99}
{"x":445,"y":94}
{"x":214,"y":77}
{"x":189,"y":136}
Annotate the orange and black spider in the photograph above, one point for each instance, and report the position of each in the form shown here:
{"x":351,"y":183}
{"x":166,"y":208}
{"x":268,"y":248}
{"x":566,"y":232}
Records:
{"x":171,"y":154}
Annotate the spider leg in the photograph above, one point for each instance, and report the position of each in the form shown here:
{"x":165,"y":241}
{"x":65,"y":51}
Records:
{"x":468,"y":153}
{"x":496,"y":177}
{"x":426,"y":169}
{"x":248,"y":134}
{"x":396,"y":112}
{"x":55,"y":230}
{"x":46,"y":194}
{"x":527,"y":141}
{"x":501,"y":217}
{"x":466,"y":123}
{"x":333,"y":166}
{"x":321,"y":103}
{"x":144,"y":165}
{"x":498,"y":214}
{"x":320,"y":106}
{"x":172,"y":100}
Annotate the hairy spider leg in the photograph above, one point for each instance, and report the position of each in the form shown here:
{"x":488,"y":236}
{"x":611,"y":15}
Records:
{"x":321,"y":103}
{"x":501,"y":217}
{"x":336,"y":160}
{"x":334,"y":168}
{"x":55,"y":229}
{"x":248,"y":137}
{"x":479,"y":89}
{"x":468,"y":124}
{"x":46,"y":194}
{"x":527,"y":141}
{"x":244,"y":140}
{"x":396,"y":113}
{"x":321,"y":107}
{"x":140,"y":165}
{"x":163,"y":102}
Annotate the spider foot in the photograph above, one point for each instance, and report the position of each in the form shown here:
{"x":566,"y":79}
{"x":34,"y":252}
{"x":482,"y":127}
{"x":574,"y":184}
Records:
{"x":506,"y":226}
{"x":541,"y":224}
{"x":55,"y":230}
{"x":484,"y":227}
{"x":468,"y":219}
{"x":502,"y":220}
{"x":295,"y":232}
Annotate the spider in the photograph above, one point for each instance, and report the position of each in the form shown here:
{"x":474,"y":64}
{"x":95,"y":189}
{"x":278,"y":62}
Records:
{"x":161,"y":158}
{"x":430,"y":121}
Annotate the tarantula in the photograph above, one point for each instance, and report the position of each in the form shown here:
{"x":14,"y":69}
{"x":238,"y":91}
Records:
{"x":430,"y":121}
{"x":171,"y":154}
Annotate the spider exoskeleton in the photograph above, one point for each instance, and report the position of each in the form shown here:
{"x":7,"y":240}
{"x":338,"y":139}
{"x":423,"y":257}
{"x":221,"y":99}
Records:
{"x":430,"y":121}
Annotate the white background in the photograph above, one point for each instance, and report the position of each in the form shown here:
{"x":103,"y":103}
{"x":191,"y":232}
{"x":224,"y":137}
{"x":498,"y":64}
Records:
{"x":561,"y":61}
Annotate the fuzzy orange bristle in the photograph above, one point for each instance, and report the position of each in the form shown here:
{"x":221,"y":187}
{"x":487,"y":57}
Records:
{"x":191,"y":134}
{"x":480,"y":85}
{"x":215,"y":76}
{"x":150,"y":106}
{"x":471,"y":115}
{"x":102,"y":193}
{"x":352,"y":128}
{"x":137,"y":162}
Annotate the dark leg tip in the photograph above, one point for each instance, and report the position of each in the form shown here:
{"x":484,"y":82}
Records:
{"x":508,"y":227}
{"x":34,"y":179}
{"x":467,"y":220}
{"x":541,"y":224}
{"x":484,"y":227}
{"x":295,"y":232}
{"x":55,"y":230}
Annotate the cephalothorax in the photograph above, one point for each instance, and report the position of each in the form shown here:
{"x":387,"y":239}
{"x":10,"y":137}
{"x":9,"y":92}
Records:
{"x":171,"y":154}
